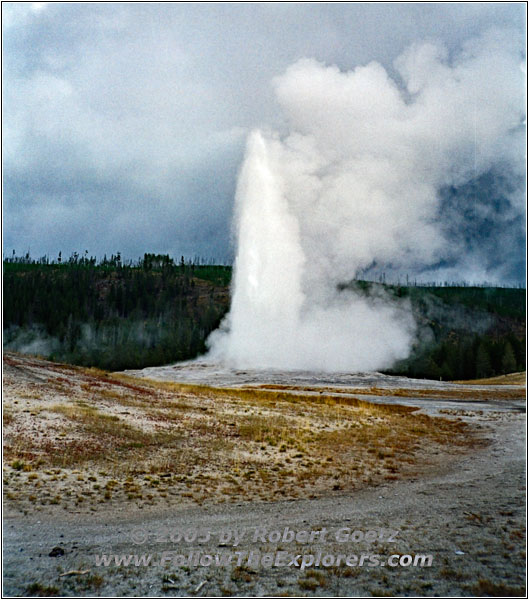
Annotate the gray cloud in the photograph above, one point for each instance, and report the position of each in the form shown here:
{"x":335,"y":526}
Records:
{"x":125,"y":124}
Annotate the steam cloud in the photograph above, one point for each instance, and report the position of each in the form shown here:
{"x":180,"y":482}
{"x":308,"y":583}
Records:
{"x":358,"y":181}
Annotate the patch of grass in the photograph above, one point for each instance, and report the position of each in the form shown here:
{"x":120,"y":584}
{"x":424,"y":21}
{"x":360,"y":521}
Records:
{"x":510,"y":379}
{"x":226,"y":590}
{"x":451,"y":574}
{"x":90,"y":581}
{"x":319,"y":576}
{"x":484,"y":587}
{"x":7,"y":417}
{"x":38,"y":589}
{"x":378,"y":592}
{"x":308,"y":583}
{"x":242,"y":573}
{"x":100,"y":436}
{"x":212,"y":444}
{"x":459,"y":393}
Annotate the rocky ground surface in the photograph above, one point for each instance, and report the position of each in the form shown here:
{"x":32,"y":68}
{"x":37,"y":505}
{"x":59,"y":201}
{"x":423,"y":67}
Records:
{"x":463,"y":512}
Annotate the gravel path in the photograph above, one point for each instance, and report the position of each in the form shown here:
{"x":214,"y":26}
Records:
{"x":469,"y":516}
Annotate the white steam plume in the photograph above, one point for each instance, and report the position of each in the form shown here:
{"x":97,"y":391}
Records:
{"x":356,"y":183}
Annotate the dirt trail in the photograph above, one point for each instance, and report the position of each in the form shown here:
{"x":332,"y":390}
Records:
{"x":469,"y":516}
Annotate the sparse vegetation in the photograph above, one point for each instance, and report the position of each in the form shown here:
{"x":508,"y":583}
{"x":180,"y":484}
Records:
{"x":39,"y":589}
{"x":484,"y":587}
{"x":312,"y":579}
{"x":459,"y":393}
{"x":113,"y":438}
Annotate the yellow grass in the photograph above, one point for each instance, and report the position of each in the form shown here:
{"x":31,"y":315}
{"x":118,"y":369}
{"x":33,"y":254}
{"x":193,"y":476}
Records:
{"x":114,"y":438}
{"x":459,"y":393}
{"x":510,"y":379}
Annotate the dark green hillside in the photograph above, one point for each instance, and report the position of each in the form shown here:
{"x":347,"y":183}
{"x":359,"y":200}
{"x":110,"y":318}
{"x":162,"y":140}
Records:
{"x":116,"y":316}
{"x":466,"y":332}
{"x":111,"y":315}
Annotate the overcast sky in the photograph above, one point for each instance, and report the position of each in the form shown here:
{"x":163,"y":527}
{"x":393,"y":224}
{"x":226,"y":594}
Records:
{"x":124,"y":125}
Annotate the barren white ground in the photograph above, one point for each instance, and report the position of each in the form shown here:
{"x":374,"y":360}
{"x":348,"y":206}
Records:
{"x":469,"y":515}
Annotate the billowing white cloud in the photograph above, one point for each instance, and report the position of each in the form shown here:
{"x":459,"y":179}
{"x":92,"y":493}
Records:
{"x":359,"y":180}
{"x":366,"y":159}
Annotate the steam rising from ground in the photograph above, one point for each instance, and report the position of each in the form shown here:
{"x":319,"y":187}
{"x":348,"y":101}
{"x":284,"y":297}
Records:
{"x":357,"y":183}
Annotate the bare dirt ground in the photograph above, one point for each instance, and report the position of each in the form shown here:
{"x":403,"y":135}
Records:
{"x":105,"y":464}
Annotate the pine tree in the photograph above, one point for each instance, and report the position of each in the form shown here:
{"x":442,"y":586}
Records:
{"x":482,"y":362}
{"x":508,"y":361}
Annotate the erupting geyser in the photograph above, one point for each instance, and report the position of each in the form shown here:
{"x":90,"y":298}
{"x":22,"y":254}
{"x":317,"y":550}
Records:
{"x":267,"y":297}
{"x":359,"y":181}
{"x":276,"y":319}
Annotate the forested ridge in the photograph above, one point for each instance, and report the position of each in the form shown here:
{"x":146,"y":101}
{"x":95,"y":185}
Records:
{"x":466,"y":332}
{"x":156,"y":311}
{"x":111,"y":315}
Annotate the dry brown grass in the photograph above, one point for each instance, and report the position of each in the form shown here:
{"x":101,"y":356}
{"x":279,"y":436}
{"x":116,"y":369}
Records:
{"x":459,"y":393}
{"x":273,"y":393}
{"x":510,"y":379}
{"x":485,"y":587}
{"x":114,"y":438}
{"x":7,"y":418}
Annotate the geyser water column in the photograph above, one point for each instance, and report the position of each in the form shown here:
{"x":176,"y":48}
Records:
{"x":266,"y":292}
{"x":358,"y":179}
{"x":279,"y":320}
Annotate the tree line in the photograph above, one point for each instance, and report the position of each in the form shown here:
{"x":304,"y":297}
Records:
{"x":113,"y":315}
{"x":116,"y":314}
{"x":473,"y":332}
